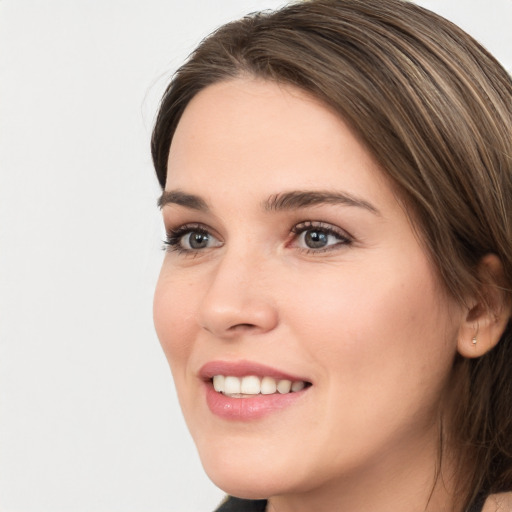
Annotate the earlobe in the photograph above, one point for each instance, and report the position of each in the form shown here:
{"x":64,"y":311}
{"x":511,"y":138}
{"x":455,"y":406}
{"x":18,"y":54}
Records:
{"x":488,"y":316}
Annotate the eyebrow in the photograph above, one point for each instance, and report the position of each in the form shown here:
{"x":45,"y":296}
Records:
{"x":298,"y":199}
{"x":183,"y":199}
{"x":286,"y":201}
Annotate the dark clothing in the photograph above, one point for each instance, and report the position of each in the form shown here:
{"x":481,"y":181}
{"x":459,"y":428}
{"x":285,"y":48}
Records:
{"x":478,"y":505}
{"x":238,"y":505}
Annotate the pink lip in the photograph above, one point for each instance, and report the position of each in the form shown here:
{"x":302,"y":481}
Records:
{"x":246,"y":409}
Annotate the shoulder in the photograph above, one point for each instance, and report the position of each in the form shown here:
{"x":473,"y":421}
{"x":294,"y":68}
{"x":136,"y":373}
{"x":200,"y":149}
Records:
{"x":501,"y":502}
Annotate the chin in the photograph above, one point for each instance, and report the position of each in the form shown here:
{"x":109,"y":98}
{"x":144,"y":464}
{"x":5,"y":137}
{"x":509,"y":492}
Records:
{"x":249,"y":475}
{"x":248,"y":486}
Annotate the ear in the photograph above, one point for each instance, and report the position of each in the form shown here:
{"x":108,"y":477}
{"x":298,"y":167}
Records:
{"x":489,"y":312}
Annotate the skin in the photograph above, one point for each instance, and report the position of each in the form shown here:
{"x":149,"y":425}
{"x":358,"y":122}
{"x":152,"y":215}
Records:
{"x":365,"y":320}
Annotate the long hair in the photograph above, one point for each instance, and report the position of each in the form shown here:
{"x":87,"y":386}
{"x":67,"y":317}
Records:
{"x":434,"y":109}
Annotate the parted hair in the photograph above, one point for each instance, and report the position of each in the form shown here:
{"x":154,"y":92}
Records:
{"x":434,"y":109}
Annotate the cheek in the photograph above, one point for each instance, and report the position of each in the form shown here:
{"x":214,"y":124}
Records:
{"x":376,"y":328}
{"x":173,"y":308}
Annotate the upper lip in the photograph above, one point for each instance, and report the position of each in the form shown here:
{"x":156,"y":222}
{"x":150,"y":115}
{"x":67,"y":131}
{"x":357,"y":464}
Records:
{"x":243,"y":368}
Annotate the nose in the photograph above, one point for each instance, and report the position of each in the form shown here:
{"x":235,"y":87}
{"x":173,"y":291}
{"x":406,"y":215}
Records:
{"x":238,"y":298}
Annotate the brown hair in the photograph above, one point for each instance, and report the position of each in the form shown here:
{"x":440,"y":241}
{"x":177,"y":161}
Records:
{"x":434,"y":109}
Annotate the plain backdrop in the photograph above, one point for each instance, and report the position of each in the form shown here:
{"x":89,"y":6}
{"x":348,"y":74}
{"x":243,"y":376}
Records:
{"x":89,"y":420}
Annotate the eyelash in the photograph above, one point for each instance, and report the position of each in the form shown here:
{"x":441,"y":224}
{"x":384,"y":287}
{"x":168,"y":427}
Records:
{"x":172,"y":243}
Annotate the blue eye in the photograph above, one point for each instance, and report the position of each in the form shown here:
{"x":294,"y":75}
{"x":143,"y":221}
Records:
{"x":190,"y":238}
{"x":318,"y":236}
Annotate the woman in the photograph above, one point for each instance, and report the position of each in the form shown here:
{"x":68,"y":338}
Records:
{"x":336,"y":293}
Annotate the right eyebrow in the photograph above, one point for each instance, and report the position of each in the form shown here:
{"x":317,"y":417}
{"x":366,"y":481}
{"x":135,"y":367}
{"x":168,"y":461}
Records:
{"x":297,"y":199}
{"x":187,"y":200}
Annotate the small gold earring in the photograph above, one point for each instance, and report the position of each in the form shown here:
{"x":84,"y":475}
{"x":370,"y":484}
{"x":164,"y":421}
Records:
{"x":474,"y":340}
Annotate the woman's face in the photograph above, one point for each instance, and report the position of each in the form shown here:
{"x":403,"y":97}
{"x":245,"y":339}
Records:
{"x":290,"y":258}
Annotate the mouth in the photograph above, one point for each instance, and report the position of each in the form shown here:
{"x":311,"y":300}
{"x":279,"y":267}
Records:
{"x":251,"y":385}
{"x":244,"y":391}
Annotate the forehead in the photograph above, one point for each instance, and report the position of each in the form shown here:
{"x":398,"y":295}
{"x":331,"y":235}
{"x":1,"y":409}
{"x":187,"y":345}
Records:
{"x":245,"y":114}
{"x":235,"y":120}
{"x":243,"y":141}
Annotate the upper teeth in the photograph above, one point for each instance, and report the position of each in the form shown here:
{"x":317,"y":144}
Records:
{"x":252,"y":385}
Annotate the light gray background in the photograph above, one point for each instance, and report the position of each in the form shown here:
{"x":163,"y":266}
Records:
{"x":88,"y":415}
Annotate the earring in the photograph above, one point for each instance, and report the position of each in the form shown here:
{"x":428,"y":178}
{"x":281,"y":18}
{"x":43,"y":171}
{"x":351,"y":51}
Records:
{"x":474,"y":339}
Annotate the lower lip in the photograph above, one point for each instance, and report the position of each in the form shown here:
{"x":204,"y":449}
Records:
{"x":247,"y":409}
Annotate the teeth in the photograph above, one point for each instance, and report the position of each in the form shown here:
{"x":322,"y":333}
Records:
{"x":252,"y":385}
{"x":232,"y":385}
{"x":218,"y":383}
{"x":298,"y":385}
{"x":284,"y":386}
{"x":268,"y":386}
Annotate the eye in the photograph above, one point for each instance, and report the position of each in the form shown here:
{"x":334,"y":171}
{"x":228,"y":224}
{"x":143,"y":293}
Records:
{"x":190,"y":238}
{"x":319,"y":236}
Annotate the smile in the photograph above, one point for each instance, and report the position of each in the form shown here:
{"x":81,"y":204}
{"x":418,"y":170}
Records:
{"x":251,"y":385}
{"x":246,"y":391}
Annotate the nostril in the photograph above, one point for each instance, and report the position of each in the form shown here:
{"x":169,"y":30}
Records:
{"x":242,"y":327}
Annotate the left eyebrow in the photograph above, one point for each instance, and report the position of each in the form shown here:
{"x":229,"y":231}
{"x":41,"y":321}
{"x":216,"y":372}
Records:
{"x":183,"y":199}
{"x":303,"y":198}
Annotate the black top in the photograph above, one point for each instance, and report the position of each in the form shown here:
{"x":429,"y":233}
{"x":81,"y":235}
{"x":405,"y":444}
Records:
{"x":238,"y":505}
{"x":478,"y":505}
